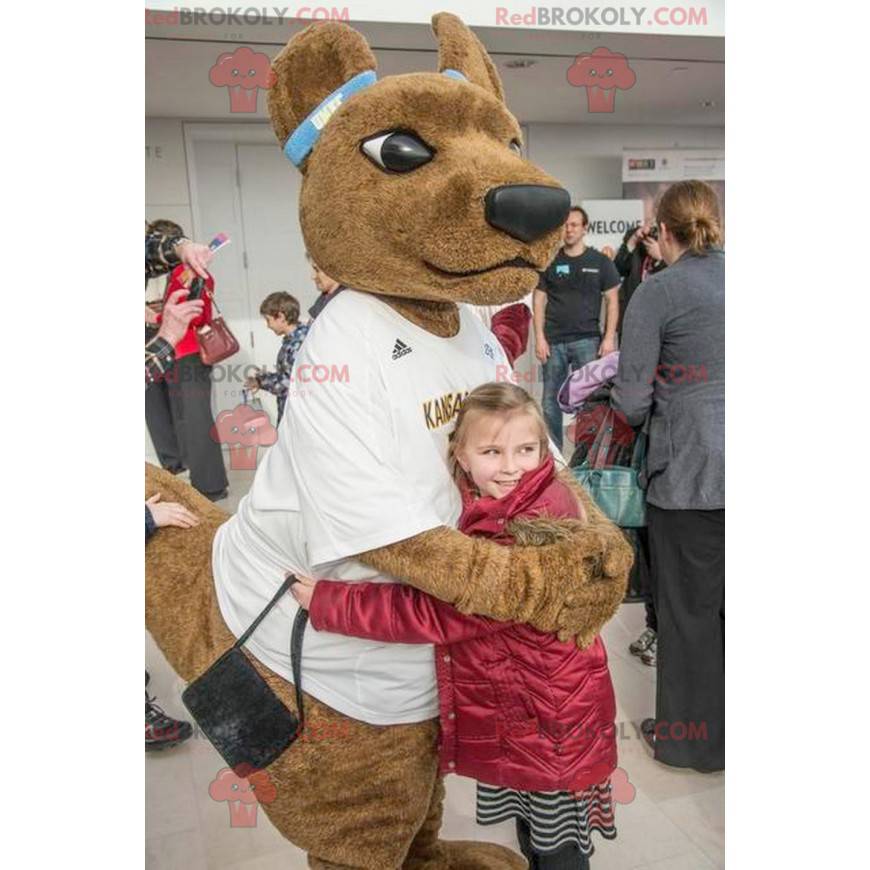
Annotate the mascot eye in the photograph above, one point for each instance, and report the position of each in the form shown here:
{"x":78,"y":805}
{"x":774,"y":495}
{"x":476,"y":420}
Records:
{"x":516,"y":147}
{"x":397,"y":152}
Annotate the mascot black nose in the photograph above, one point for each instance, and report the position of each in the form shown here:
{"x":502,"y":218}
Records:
{"x":527,"y":211}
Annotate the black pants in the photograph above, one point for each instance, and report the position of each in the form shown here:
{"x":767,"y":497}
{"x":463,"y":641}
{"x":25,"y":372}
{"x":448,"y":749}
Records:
{"x":189,"y":390}
{"x":158,"y":418}
{"x":569,"y":857}
{"x":651,"y":621}
{"x":640,"y":581}
{"x":687,"y":549}
{"x":650,"y":599}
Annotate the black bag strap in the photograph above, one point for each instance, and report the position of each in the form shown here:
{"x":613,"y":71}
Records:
{"x":295,"y":641}
{"x":216,"y":309}
{"x":296,"y":654}
{"x":291,"y":579}
{"x":638,"y":453}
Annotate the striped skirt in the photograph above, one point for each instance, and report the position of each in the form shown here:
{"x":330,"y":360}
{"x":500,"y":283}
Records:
{"x":555,"y":818}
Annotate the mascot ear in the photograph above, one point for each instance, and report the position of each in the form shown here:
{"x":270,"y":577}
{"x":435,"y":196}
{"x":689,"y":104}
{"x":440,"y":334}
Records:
{"x":313,"y":64}
{"x":460,"y":49}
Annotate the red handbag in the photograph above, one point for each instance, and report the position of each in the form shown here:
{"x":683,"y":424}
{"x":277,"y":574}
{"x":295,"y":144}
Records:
{"x":216,"y":340}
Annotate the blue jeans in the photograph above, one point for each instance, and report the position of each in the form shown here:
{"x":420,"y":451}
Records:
{"x":563,"y":359}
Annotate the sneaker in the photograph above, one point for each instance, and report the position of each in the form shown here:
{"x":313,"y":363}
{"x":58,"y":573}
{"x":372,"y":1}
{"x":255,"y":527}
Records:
{"x":642,"y":644}
{"x":162,"y":731}
{"x":648,"y":656}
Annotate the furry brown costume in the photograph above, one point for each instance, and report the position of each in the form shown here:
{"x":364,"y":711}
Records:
{"x":371,"y":797}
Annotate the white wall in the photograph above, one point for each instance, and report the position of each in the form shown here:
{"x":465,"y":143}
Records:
{"x":166,"y":188}
{"x":587,"y":159}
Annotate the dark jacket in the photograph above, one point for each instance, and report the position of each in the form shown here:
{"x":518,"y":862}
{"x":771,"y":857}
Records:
{"x":672,"y":366}
{"x":630,"y":265}
{"x":518,"y":708}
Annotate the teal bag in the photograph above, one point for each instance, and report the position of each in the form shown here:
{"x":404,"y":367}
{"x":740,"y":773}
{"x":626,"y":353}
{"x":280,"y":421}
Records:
{"x":615,"y":489}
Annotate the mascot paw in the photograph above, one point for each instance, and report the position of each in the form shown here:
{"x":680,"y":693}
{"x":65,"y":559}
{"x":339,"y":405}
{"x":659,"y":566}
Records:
{"x":470,"y":855}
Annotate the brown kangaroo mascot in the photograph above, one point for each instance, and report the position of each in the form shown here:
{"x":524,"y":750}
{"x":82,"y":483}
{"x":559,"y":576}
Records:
{"x":416,"y":198}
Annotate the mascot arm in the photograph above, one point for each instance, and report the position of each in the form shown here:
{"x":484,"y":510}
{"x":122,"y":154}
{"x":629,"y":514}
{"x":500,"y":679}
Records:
{"x":572,"y":586}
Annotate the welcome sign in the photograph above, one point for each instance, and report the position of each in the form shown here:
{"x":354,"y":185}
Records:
{"x":610,"y":219}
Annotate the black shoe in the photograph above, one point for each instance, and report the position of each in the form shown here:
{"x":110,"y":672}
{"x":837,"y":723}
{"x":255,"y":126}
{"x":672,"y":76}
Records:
{"x":217,"y":496}
{"x":162,"y":731}
{"x":648,"y":732}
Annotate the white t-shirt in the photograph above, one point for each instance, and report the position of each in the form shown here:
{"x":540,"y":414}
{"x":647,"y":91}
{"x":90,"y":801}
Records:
{"x":360,"y":462}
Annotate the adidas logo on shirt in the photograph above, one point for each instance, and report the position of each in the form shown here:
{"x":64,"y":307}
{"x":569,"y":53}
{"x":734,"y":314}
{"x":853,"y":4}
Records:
{"x":400,"y":349}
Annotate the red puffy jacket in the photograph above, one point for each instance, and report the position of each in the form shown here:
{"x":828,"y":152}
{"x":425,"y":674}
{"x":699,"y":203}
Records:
{"x":518,"y":707}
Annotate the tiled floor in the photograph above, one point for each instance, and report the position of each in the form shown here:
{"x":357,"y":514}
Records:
{"x":675,"y":822}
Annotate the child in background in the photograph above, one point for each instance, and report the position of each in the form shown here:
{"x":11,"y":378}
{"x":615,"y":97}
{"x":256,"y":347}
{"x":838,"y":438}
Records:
{"x":528,"y":716}
{"x":281,"y":311}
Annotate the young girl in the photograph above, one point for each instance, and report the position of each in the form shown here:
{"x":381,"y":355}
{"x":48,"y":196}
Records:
{"x":528,"y":716}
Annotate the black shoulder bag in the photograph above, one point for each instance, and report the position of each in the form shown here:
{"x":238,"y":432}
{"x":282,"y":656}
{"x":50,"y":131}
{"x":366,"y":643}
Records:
{"x":235,"y":708}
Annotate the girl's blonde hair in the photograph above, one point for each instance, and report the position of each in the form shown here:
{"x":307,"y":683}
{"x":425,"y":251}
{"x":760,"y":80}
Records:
{"x":498,"y":397}
{"x":690,"y":210}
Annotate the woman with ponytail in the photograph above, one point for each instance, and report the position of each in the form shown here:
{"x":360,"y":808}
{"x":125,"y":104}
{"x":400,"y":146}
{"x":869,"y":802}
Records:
{"x":672,"y":376}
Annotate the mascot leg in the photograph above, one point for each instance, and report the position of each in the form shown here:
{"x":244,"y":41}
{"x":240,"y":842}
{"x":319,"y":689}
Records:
{"x":350,"y":794}
{"x":427,"y":852}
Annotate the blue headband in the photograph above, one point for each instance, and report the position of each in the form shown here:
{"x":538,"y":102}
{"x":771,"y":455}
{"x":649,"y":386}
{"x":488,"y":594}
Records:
{"x":305,"y":136}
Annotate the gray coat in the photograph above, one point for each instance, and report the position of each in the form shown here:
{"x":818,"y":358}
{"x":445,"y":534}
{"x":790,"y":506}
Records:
{"x":672,"y":366}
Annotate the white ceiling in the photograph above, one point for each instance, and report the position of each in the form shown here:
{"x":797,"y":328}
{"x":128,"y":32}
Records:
{"x":178,"y":60}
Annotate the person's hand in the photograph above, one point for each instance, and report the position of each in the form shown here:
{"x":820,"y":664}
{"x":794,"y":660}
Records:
{"x":652,"y":248}
{"x":542,"y":349}
{"x":303,"y":591}
{"x":608,"y":345}
{"x":170,"y":513}
{"x":252,"y":384}
{"x":195,"y":255}
{"x":177,"y":315}
{"x":151,"y":317}
{"x":636,"y":237}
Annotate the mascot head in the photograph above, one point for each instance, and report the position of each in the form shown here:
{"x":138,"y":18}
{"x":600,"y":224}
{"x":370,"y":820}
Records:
{"x":414,"y":186}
